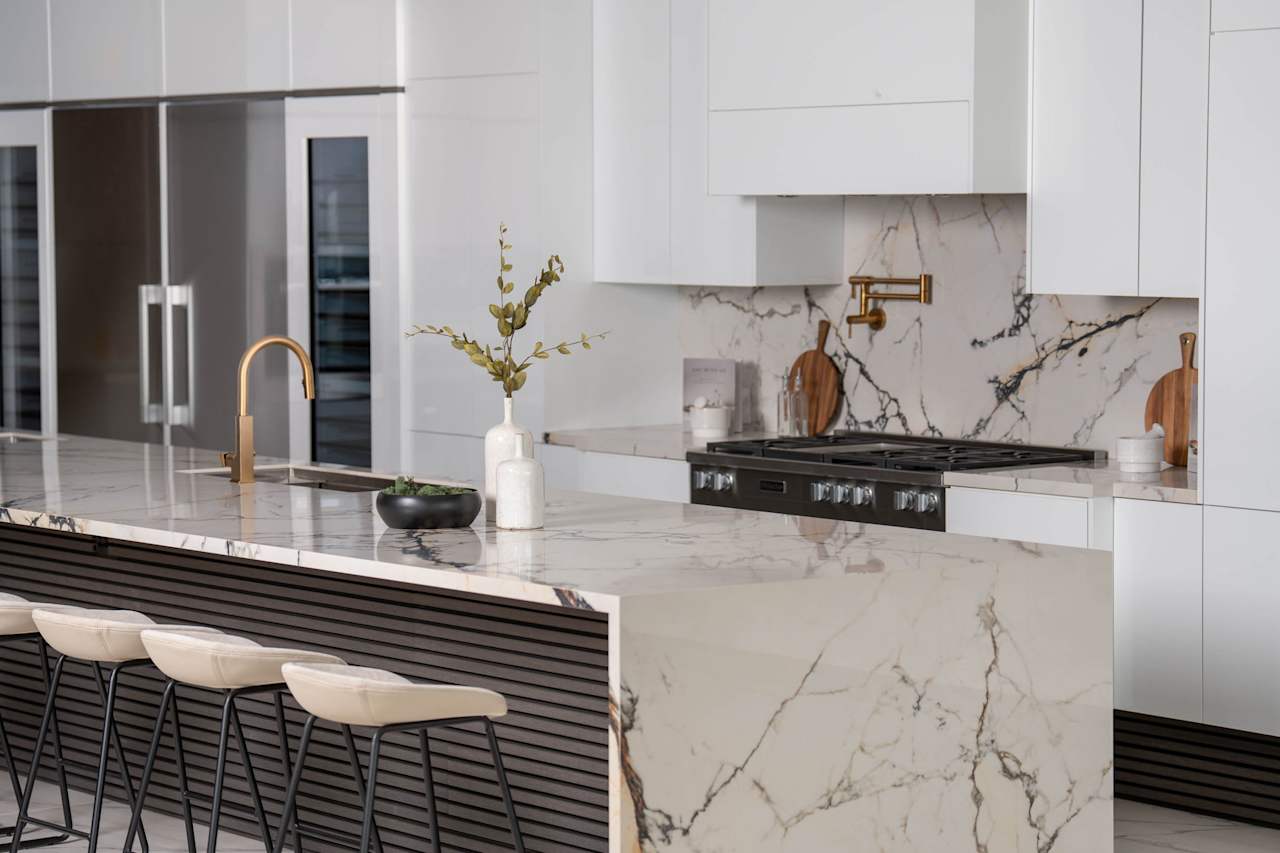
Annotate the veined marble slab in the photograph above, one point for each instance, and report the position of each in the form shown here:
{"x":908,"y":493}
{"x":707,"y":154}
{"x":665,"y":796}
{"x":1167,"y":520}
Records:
{"x":1084,"y":480}
{"x":776,"y":684}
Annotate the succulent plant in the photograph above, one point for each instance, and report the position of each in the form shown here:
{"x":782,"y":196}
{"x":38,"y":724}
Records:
{"x":511,"y":317}
{"x":407,"y":486}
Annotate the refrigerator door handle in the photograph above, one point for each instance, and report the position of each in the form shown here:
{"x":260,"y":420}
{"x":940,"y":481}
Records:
{"x":179,"y":296}
{"x":148,"y":295}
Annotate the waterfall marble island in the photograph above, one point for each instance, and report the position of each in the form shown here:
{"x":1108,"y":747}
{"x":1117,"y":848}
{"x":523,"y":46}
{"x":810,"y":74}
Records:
{"x":684,"y":678}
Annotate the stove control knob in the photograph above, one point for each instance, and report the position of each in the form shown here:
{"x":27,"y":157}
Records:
{"x":925,"y":502}
{"x":841,"y":493}
{"x":723,"y":481}
{"x":911,"y":500}
{"x":820,"y":491}
{"x":861,"y":494}
{"x":702,"y":479}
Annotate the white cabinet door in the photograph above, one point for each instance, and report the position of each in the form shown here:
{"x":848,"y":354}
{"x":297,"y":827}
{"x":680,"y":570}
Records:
{"x":1241,"y":628}
{"x":24,"y":51}
{"x":1245,"y":15}
{"x":821,"y":53}
{"x":344,"y":43}
{"x":213,"y":46}
{"x":1158,"y":601}
{"x":1086,"y":76}
{"x":631,"y":69}
{"x":105,"y":50}
{"x":1175,"y":105}
{"x":1242,"y":288}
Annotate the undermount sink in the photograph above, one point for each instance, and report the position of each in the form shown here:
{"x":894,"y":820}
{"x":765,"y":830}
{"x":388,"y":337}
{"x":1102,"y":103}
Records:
{"x":309,"y":476}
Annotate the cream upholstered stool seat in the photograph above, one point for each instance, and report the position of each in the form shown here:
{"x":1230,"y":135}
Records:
{"x":18,"y":626}
{"x":101,"y":639}
{"x":387,"y":702}
{"x":235,"y":667}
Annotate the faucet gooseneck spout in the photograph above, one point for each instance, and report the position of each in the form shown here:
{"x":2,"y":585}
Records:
{"x":240,"y":460}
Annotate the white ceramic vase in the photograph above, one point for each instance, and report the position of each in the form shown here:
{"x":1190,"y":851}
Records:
{"x":521,"y":492}
{"x":502,"y":442}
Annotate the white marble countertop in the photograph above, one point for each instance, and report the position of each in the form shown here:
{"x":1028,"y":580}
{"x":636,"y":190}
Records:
{"x":593,"y":551}
{"x":663,"y":441}
{"x":1085,"y":480}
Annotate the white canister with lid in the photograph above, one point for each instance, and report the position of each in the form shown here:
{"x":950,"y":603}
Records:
{"x":1141,"y":453}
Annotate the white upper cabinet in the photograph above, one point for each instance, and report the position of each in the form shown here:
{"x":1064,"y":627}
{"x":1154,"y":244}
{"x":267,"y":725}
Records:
{"x":226,"y":46}
{"x":1119,"y":97}
{"x":858,"y":97}
{"x":105,"y":50}
{"x":344,"y":43}
{"x":1242,"y":293}
{"x":654,"y":222}
{"x":1245,"y":15}
{"x":24,"y":51}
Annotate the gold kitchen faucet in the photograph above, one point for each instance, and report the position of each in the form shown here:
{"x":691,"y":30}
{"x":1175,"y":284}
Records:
{"x":240,"y":460}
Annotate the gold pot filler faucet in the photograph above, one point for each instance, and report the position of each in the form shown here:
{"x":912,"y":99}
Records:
{"x":240,"y":460}
{"x":874,"y":318}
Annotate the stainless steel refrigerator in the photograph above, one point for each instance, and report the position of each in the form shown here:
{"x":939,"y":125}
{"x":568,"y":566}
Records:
{"x":169,"y":226}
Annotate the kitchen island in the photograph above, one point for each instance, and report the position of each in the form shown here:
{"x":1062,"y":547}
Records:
{"x":681,"y":678}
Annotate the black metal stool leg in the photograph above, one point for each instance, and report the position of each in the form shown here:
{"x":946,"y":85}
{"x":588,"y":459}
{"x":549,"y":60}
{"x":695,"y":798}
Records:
{"x":180,"y":757}
{"x":57,"y":739}
{"x":358,"y":774}
{"x":502,"y":783}
{"x":16,"y":782}
{"x":375,"y":746}
{"x":220,"y":771}
{"x":247,"y":761}
{"x":429,"y":778}
{"x":282,"y":726}
{"x":145,"y":783}
{"x":291,"y":796}
{"x":111,"y":737}
{"x":24,"y":811}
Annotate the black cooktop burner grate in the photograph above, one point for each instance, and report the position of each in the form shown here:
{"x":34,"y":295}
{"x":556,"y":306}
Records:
{"x":899,"y":453}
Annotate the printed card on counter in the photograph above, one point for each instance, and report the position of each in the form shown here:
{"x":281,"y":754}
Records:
{"x":712,"y":378}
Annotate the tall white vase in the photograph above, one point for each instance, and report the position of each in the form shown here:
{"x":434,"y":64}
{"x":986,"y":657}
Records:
{"x":501,"y":443}
{"x":521,"y":493}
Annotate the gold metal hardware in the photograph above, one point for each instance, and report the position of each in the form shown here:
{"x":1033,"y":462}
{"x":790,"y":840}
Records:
{"x":240,"y":460}
{"x":874,"y":318}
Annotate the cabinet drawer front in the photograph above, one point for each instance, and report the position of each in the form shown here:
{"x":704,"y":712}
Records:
{"x":1046,"y":519}
{"x":897,"y":149}
{"x":1245,"y":15}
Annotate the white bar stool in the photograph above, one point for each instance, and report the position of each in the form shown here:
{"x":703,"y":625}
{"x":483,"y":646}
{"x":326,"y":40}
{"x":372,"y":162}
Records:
{"x":96,"y":638}
{"x":359,"y":696}
{"x":17,"y":626}
{"x":234,"y":667}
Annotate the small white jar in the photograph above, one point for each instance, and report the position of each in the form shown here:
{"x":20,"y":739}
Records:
{"x":521,"y":492}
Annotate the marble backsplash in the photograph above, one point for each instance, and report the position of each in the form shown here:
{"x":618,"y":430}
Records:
{"x":985,"y":360}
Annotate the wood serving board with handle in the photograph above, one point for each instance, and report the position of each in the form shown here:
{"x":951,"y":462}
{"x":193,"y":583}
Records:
{"x":820,"y":379}
{"x":1169,"y":403}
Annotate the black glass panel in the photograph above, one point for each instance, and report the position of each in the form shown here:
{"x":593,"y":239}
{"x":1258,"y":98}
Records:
{"x":19,"y":290}
{"x":339,"y":181}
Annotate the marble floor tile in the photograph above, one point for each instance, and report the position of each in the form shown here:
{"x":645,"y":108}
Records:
{"x":165,"y":834}
{"x":1141,"y":828}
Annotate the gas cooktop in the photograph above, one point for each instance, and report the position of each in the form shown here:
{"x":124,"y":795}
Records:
{"x":899,"y":453}
{"x":854,"y":476}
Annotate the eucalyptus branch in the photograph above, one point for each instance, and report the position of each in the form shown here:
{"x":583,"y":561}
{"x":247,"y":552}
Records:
{"x":511,"y":316}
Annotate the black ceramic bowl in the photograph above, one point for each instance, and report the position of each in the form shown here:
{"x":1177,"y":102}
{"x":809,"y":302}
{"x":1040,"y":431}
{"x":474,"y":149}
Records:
{"x":429,"y":512}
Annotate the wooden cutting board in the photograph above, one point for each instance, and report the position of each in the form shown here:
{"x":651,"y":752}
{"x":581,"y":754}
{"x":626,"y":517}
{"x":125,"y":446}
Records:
{"x":1169,"y":403}
{"x":821,"y":381}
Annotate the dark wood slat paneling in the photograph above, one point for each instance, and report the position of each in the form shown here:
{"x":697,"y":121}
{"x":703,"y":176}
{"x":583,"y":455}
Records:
{"x":1198,"y":768}
{"x":550,"y":663}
